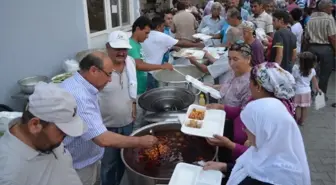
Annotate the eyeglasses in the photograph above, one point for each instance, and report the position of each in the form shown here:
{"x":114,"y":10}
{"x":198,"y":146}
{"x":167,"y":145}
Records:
{"x":102,"y":70}
{"x":242,"y":47}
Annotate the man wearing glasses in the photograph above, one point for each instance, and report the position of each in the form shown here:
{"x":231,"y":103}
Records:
{"x":87,"y":150}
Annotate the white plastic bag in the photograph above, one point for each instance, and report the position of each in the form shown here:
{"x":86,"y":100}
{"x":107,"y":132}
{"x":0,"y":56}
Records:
{"x":71,"y":66}
{"x":261,"y":34}
{"x":6,"y":117}
{"x":319,"y":101}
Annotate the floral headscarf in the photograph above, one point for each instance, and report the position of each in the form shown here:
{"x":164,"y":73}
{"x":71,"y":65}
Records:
{"x":275,"y":80}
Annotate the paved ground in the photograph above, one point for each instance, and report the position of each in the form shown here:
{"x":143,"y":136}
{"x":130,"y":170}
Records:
{"x":319,"y":137}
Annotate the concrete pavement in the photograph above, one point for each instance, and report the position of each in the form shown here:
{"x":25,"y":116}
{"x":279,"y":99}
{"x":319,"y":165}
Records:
{"x":319,"y":137}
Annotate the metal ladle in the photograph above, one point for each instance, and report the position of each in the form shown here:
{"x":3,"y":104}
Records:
{"x":179,"y":72}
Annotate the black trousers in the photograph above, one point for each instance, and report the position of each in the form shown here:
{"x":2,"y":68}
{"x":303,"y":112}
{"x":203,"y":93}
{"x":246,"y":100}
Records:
{"x":326,"y":59}
{"x":224,"y":154}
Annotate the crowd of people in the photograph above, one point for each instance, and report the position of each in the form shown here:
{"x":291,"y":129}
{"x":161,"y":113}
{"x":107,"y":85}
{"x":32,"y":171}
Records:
{"x":72,"y":133}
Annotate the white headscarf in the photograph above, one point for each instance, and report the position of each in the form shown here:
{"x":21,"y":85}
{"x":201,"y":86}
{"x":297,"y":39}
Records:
{"x":279,"y":156}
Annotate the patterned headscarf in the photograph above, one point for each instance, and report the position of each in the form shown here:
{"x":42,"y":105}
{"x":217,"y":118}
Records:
{"x":276,"y":80}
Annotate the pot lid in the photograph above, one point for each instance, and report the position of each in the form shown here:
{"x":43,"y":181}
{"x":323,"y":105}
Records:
{"x":170,"y":116}
{"x":166,"y":99}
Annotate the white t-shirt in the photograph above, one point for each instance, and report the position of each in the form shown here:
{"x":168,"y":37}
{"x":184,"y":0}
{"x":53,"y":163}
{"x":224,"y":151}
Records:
{"x":220,"y":68}
{"x":298,"y":31}
{"x":156,"y":45}
{"x":302,"y":84}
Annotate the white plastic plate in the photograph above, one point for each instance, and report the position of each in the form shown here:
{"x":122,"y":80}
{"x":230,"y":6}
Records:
{"x":215,"y":52}
{"x":213,"y":122}
{"x":187,"y":174}
{"x":183,"y":53}
{"x":202,"y":36}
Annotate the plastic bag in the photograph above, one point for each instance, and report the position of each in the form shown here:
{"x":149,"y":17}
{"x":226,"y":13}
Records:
{"x":71,"y":66}
{"x":6,"y":117}
{"x":319,"y":101}
{"x":261,"y":34}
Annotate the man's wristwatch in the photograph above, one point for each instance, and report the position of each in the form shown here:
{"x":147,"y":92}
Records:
{"x":134,"y":103}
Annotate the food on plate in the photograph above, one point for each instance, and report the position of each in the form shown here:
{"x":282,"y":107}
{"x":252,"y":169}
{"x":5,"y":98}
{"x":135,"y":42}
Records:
{"x":194,"y":124}
{"x":197,"y":114}
{"x":60,"y":78}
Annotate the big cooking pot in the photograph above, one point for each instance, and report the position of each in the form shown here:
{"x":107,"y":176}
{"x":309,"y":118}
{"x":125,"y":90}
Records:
{"x":173,"y":78}
{"x":189,"y":149}
{"x":165,"y":104}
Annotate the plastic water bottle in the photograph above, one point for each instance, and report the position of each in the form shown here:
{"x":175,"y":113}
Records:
{"x":201,"y":100}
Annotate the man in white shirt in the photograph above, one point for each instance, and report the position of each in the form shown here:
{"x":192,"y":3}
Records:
{"x":31,"y":151}
{"x":158,"y":43}
{"x":260,"y":17}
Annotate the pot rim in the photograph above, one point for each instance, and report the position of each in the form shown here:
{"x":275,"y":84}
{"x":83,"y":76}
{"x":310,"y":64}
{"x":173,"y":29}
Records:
{"x":144,"y":128}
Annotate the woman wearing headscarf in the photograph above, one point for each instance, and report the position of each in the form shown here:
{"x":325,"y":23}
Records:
{"x":234,"y":90}
{"x":277,"y":155}
{"x":256,"y":45}
{"x":266,"y":80}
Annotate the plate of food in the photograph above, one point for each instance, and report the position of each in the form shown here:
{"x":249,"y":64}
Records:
{"x":61,"y":77}
{"x":202,"y":122}
{"x":202,"y":36}
{"x":184,"y":53}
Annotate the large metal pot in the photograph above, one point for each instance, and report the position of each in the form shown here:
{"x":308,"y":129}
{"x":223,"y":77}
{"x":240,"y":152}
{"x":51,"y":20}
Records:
{"x":166,"y":99}
{"x":27,"y":85}
{"x":137,"y":175}
{"x":173,"y":78}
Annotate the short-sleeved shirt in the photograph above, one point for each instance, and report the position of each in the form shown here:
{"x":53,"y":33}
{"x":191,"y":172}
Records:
{"x":137,"y":53}
{"x":83,"y":150}
{"x":167,"y":31}
{"x":302,"y":83}
{"x":258,"y":54}
{"x":235,"y":91}
{"x":298,"y":31}
{"x":161,"y":42}
{"x":285,"y":39}
{"x":320,"y":27}
{"x":115,"y":102}
{"x":22,"y":165}
{"x":263,"y":21}
{"x":224,"y":31}
{"x":184,"y":25}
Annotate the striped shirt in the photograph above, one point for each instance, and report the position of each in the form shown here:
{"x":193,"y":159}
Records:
{"x":83,"y":150}
{"x":320,"y":27}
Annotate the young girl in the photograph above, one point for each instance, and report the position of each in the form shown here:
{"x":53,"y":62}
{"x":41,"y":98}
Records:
{"x":304,"y":73}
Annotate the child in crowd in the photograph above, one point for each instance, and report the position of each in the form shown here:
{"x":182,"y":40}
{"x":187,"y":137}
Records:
{"x":304,"y":73}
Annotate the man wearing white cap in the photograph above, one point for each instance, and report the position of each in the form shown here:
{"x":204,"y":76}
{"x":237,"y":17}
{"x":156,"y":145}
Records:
{"x":96,"y":71}
{"x":31,"y":151}
{"x":117,"y":103}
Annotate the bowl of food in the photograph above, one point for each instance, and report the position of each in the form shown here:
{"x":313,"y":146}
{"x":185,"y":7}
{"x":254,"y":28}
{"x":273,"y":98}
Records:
{"x":27,"y":85}
{"x":61,"y":77}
